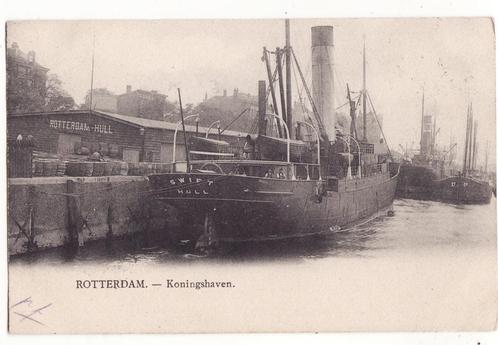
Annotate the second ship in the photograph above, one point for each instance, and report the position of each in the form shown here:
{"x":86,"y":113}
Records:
{"x":427,"y":177}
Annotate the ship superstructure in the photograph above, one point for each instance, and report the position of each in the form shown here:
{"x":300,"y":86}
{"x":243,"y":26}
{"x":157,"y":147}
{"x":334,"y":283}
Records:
{"x":291,"y":178}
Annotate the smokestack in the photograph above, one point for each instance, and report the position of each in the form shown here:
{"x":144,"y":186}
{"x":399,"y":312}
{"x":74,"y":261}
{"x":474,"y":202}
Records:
{"x":128,"y":88}
{"x":322,"y":57}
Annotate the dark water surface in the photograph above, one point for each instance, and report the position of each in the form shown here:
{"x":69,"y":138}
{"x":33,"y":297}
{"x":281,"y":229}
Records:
{"x":417,"y":228}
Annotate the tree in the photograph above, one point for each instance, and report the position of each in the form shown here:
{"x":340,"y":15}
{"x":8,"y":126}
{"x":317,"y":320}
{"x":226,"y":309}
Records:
{"x":188,"y":108}
{"x":23,"y":97}
{"x":56,"y":97}
{"x":170,"y":107}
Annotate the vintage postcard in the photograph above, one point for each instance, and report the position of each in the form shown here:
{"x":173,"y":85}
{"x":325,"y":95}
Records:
{"x":263,"y":175}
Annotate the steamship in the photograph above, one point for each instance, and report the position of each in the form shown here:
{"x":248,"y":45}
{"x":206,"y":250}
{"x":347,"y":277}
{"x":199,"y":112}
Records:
{"x":468,"y":186}
{"x":425,"y":177}
{"x":294,"y":178}
{"x":419,"y":174}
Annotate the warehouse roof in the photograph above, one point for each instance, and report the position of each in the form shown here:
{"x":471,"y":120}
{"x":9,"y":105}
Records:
{"x":134,"y":121}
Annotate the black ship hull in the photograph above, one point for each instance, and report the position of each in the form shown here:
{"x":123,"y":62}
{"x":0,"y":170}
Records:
{"x":423,"y":183}
{"x":462,"y":190}
{"x":234,"y":208}
{"x":416,"y":182}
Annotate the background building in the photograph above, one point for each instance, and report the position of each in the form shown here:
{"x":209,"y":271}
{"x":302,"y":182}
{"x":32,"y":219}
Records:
{"x":26,"y":81}
{"x":227,"y":108}
{"x":142,"y":103}
{"x":102,"y":99}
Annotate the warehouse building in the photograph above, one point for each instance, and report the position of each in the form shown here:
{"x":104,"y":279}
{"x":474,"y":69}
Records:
{"x":120,"y":137}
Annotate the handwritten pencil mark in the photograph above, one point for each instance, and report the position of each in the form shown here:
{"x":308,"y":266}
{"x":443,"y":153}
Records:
{"x":26,"y":300}
{"x":29,"y":314}
{"x":24,"y":317}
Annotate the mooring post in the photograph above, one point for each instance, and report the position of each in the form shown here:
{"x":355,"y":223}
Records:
{"x":110,"y":219}
{"x":145,"y":221}
{"x":110,"y":212}
{"x":75,"y":220}
{"x":30,"y":225}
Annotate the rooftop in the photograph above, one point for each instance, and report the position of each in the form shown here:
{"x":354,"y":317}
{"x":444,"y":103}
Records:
{"x":21,"y":57}
{"x":134,"y":121}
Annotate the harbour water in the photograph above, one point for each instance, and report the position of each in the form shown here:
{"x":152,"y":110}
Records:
{"x":417,"y":228}
{"x":432,"y":266}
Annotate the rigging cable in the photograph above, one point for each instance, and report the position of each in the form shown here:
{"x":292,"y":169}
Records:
{"x":354,"y":98}
{"x":305,"y":112}
{"x":378,"y":123}
{"x":274,"y":123}
{"x":238,"y":116}
{"x":315,"y":110}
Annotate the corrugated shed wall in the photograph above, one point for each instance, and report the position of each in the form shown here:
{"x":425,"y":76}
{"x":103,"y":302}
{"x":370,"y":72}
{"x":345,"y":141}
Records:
{"x":45,"y":128}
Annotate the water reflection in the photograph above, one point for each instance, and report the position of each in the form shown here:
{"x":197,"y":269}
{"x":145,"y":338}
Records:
{"x":416,"y":226}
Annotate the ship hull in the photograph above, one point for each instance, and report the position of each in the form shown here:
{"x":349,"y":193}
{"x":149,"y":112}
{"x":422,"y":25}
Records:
{"x":423,"y":183}
{"x":462,"y":190}
{"x":243,"y":208}
{"x":417,"y":182}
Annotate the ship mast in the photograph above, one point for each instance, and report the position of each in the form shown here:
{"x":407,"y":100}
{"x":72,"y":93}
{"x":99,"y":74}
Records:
{"x":91,"y":78}
{"x":288,"y":78}
{"x":271,"y":79}
{"x":364,"y":92}
{"x":279,"y":55}
{"x":422,"y":122}
{"x":486,"y":159}
{"x":464,"y":169}
{"x":434,"y":135}
{"x":474,"y":147}
{"x":352,"y":113}
{"x":471,"y":130}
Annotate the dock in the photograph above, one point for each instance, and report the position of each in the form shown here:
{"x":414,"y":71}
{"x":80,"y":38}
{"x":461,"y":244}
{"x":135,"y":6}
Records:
{"x":48,"y":212}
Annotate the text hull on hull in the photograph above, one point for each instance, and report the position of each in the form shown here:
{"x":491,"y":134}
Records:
{"x":245,"y":208}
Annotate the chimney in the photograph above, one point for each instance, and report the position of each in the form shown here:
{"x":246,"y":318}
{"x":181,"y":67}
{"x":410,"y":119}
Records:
{"x":15,"y":47}
{"x":224,"y":93}
{"x":235,"y":92}
{"x":322,"y":57}
{"x":31,"y":56}
{"x":128,"y":88}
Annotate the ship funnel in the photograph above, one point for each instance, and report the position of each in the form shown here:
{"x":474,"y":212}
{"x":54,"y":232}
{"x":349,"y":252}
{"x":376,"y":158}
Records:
{"x":322,"y":58}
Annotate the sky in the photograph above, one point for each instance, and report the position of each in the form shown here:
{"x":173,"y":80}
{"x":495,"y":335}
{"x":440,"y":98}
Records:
{"x":451,"y":59}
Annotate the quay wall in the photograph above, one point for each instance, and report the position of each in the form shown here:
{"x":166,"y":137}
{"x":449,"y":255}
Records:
{"x":47,"y":212}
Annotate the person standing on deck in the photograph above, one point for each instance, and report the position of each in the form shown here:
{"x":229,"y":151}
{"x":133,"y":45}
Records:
{"x":249,"y":148}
